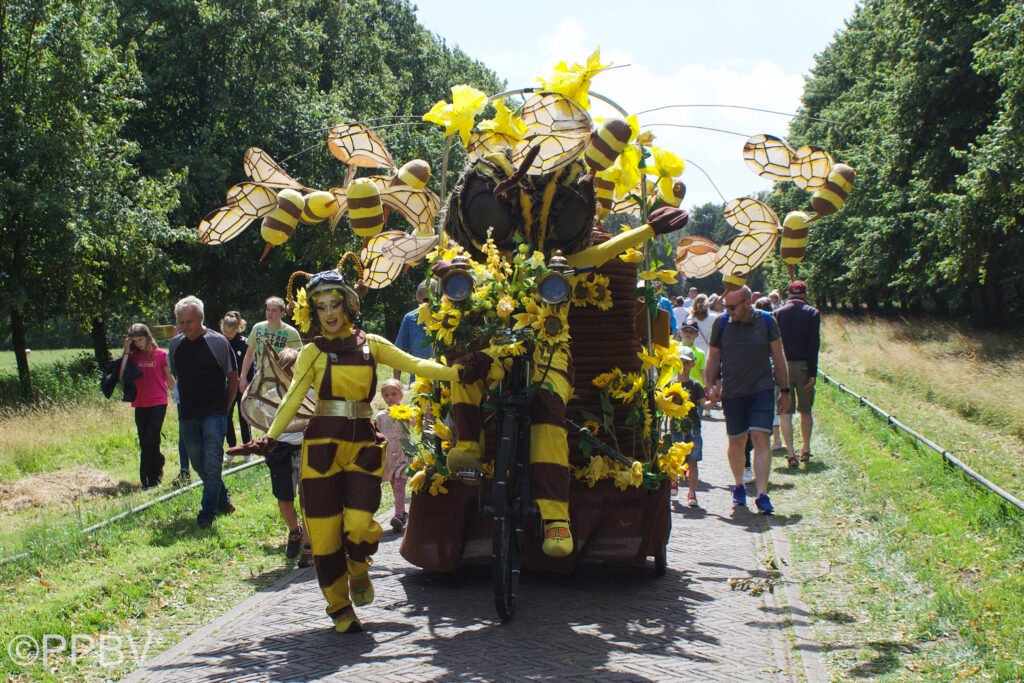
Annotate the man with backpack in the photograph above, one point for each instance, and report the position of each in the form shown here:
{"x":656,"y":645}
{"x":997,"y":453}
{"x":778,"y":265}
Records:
{"x":745,"y":347}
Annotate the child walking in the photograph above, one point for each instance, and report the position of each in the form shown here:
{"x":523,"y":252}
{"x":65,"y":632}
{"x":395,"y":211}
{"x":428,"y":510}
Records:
{"x":696,"y":391}
{"x":397,"y":434}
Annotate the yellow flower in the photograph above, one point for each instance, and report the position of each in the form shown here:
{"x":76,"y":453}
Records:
{"x":592,"y":426}
{"x":574,"y":81}
{"x":506,"y":306}
{"x":598,"y":468}
{"x":400,"y":412}
{"x":437,"y":485}
{"x":665,"y":359}
{"x":636,"y":473}
{"x":552,"y":324}
{"x":529,"y":317}
{"x":441,"y":430}
{"x":417,"y":464}
{"x":505,"y":122}
{"x":444,"y":322}
{"x":423,"y":313}
{"x":446,"y":446}
{"x":664,"y":164}
{"x":631,"y":255}
{"x":422,"y":386}
{"x":666,"y":276}
{"x":418,"y":480}
{"x":581,"y":292}
{"x":458,"y":116}
{"x":600,"y":287}
{"x":631,"y":385}
{"x":623,"y":479}
{"x":673,"y":400}
{"x":301,"y":314}
{"x":673,"y":463}
{"x":626,"y":173}
{"x":604,"y":379}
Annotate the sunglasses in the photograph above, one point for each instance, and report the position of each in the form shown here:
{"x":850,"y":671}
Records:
{"x":733,"y":307}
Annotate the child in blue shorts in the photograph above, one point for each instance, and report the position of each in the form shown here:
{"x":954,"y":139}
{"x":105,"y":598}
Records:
{"x":696,"y":392}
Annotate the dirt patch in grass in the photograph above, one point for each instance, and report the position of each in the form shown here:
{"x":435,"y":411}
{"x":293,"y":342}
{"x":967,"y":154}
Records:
{"x":60,"y":487}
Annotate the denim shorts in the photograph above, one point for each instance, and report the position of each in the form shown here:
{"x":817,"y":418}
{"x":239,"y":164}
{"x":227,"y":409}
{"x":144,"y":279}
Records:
{"x":697,"y":453}
{"x":751,"y":413}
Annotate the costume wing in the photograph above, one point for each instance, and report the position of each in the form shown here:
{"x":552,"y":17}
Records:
{"x":246,"y":203}
{"x":739,"y":255}
{"x":559,"y":126}
{"x":356,"y":145}
{"x":264,"y":394}
{"x":768,"y":156}
{"x":810,"y":167}
{"x":749,"y":214}
{"x":483,"y":142}
{"x":419,"y":207}
{"x":262,"y":168}
{"x":695,"y":257}
{"x":386,"y":255}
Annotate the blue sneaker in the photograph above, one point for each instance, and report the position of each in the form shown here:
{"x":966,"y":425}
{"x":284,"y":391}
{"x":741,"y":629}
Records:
{"x":764,"y":504}
{"x":739,"y":496}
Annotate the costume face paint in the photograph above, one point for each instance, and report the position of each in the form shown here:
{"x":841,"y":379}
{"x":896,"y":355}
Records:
{"x":330,"y":311}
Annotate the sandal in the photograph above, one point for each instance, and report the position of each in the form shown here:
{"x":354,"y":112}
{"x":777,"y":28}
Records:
{"x":805,"y":456}
{"x":792,"y":461}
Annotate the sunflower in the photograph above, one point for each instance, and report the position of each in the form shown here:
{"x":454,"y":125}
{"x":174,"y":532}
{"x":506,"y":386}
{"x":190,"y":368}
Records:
{"x":301,"y":315}
{"x":592,"y":426}
{"x":629,"y":387}
{"x":530,"y":315}
{"x":400,"y":412}
{"x":601,"y":294}
{"x":604,"y":379}
{"x":582,"y":294}
{"x":552,"y":324}
{"x":673,"y":400}
{"x":445,"y":321}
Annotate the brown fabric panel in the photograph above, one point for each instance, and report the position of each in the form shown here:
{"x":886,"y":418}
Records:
{"x":320,"y":456}
{"x":549,"y":481}
{"x":360,"y":491}
{"x":468,"y":421}
{"x":275,"y":224}
{"x":330,"y":568}
{"x":359,"y":552}
{"x":344,"y":429}
{"x":364,"y":223}
{"x":322,"y":496}
{"x":363,"y":202}
{"x":547,"y":409}
{"x":787,"y":252}
{"x":370,"y":458}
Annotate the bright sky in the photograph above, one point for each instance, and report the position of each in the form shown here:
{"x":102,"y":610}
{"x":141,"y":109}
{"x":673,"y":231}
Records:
{"x":738,"y":52}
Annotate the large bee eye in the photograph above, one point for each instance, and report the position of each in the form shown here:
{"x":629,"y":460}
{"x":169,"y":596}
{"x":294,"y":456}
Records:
{"x":484,"y":212}
{"x":572,"y":221}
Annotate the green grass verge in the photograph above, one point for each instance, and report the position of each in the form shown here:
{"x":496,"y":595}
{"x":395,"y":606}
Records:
{"x":911,"y":571}
{"x":38,"y":358}
{"x":153,"y":577}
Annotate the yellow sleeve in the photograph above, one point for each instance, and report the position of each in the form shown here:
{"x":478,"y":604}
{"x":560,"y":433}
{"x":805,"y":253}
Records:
{"x":599,"y":254}
{"x":309,"y":367}
{"x":387,"y":353}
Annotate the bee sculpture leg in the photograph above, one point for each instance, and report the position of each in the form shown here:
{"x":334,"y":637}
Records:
{"x":467,"y":453}
{"x":549,"y":450}
{"x":341,"y":491}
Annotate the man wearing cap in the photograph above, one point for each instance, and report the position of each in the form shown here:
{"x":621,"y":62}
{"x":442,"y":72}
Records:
{"x":412,"y":334}
{"x":800,"y":325}
{"x":745,"y":350}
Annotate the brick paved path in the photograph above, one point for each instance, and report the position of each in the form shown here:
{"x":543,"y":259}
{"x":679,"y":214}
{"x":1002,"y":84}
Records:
{"x":601,"y":623}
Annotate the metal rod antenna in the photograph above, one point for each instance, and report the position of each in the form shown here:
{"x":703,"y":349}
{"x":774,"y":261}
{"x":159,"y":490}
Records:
{"x":739,"y":106}
{"x":710,"y":128}
{"x":706,"y":175}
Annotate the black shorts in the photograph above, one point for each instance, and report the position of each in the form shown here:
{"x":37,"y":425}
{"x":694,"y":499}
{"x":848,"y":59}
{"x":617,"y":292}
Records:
{"x":283,"y":463}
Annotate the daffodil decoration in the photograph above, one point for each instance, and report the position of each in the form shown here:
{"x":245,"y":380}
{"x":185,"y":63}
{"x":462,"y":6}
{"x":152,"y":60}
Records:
{"x":505,"y":122}
{"x":574,"y":81}
{"x":458,"y":116}
{"x":301,"y":315}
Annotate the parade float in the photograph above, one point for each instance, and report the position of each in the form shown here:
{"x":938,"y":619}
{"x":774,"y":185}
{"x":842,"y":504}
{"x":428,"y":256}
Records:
{"x":540,"y":258}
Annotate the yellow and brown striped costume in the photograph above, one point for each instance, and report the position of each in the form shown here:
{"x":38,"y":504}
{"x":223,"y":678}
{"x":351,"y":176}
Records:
{"x":342,"y":457}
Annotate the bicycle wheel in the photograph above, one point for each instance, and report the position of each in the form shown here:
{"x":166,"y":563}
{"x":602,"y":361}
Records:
{"x":507,"y":545}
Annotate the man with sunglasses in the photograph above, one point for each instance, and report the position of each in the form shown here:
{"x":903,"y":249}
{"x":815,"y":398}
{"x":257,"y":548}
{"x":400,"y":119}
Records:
{"x":745,"y":347}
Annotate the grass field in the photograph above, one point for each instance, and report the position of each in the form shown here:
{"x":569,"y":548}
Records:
{"x":8,"y":363}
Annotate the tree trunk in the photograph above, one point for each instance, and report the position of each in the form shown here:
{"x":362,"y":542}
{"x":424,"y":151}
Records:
{"x":20,"y":352}
{"x":99,"y":342}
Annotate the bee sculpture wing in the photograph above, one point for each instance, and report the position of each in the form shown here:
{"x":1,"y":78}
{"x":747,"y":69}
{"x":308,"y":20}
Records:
{"x":385,"y":256}
{"x":246,"y":203}
{"x":768,"y":156}
{"x":739,"y":255}
{"x":263,"y":396}
{"x":356,"y":145}
{"x":695,"y":257}
{"x":340,"y":208}
{"x":262,"y":168}
{"x":483,"y":142}
{"x":559,"y":126}
{"x":419,"y":207}
{"x":810,"y":167}
{"x":749,"y":214}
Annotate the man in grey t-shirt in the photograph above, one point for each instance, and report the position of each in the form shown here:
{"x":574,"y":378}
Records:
{"x":745,"y":346}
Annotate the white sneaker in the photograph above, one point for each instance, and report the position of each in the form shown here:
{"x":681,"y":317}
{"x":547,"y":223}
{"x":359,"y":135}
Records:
{"x":707,"y":414}
{"x":748,"y":475}
{"x":228,"y":459}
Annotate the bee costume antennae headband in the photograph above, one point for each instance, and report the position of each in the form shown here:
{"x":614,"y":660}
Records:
{"x":300,"y":303}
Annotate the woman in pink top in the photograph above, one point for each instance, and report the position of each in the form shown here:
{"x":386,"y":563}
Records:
{"x":150,"y":400}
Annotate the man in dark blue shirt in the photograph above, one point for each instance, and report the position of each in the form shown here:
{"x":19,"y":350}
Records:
{"x":204,"y":365}
{"x":800,"y":325}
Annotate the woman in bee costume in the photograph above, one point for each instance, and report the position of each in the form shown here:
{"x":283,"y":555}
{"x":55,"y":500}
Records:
{"x":342,"y":451}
